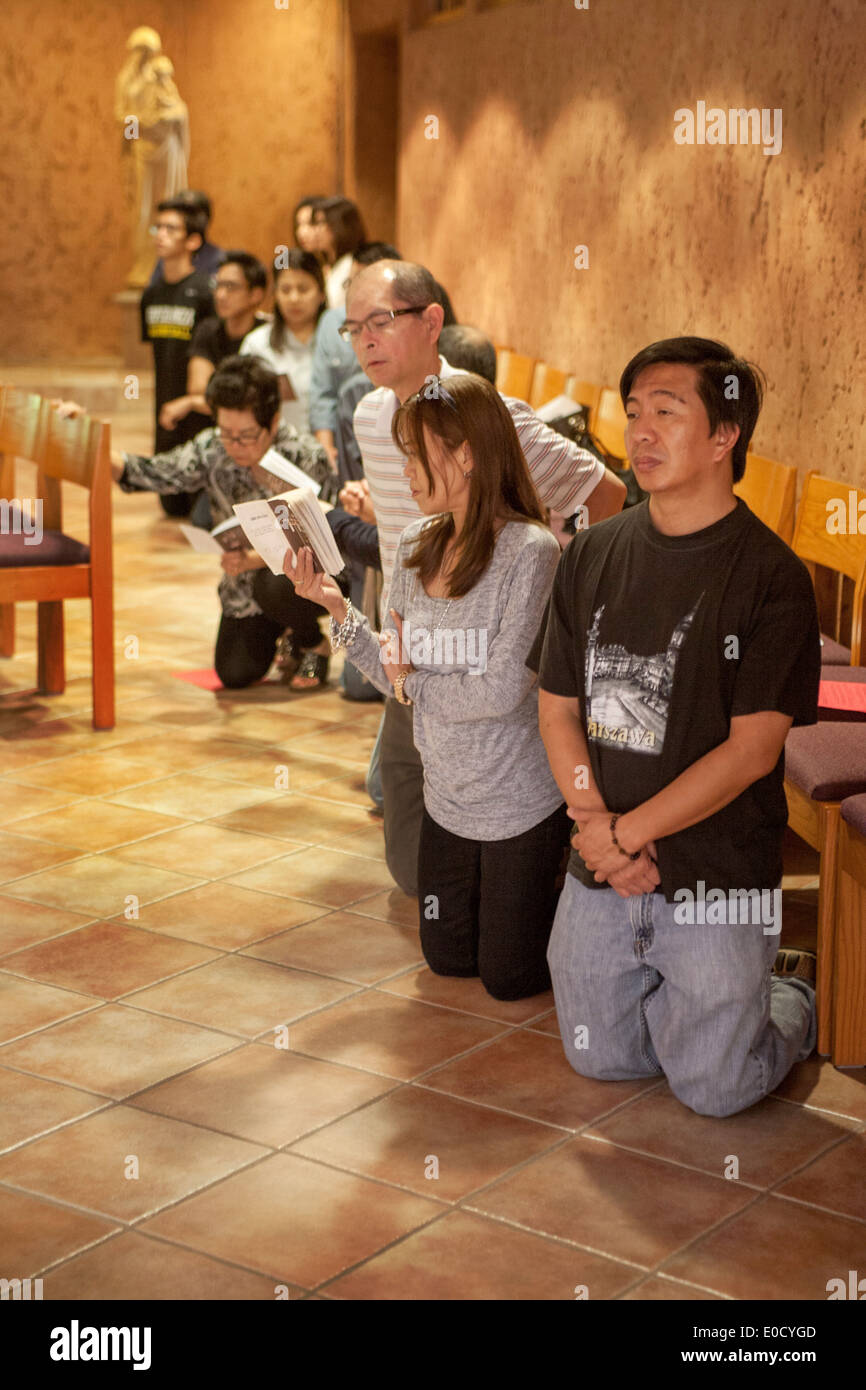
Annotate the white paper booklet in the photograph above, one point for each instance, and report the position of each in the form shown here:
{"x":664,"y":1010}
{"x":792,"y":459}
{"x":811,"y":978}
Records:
{"x":227,"y":536}
{"x":289,"y":472}
{"x":290,"y":521}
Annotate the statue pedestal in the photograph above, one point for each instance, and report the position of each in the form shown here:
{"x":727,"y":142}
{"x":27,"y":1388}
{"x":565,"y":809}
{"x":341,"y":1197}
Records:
{"x":135,"y":354}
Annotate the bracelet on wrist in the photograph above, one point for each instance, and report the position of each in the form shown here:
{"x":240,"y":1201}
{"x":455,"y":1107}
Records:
{"x":343,"y":633}
{"x":613,"y":821}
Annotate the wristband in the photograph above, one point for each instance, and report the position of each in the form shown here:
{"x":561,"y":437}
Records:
{"x":613,"y":821}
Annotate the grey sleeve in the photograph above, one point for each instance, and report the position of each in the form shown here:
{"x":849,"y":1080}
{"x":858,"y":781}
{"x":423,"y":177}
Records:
{"x":502,"y":680}
{"x":364,"y":651}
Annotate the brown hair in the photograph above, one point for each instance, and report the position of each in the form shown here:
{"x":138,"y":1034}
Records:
{"x":466,"y":408}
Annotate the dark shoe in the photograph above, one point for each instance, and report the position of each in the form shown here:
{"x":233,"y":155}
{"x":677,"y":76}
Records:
{"x":796,"y":965}
{"x":312,"y":671}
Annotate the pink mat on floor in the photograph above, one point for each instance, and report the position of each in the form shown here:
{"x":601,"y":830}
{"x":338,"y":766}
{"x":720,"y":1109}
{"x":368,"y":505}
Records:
{"x":843,"y":695}
{"x":206,"y":680}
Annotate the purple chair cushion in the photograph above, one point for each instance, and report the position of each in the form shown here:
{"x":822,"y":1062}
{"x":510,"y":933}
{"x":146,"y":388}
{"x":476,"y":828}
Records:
{"x":52,"y":548}
{"x":827,"y":761}
{"x":855,"y":674}
{"x":833,"y":653}
{"x":854,"y":812}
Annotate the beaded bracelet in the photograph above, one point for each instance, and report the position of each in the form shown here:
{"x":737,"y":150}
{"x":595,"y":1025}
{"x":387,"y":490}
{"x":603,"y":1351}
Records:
{"x":343,"y":633}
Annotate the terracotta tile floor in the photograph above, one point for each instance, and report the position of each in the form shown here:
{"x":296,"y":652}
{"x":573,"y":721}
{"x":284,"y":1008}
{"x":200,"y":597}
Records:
{"x":205,"y":969}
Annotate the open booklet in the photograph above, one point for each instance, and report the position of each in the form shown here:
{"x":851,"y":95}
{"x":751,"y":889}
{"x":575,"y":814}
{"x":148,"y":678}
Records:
{"x":229,"y":535}
{"x":290,"y":521}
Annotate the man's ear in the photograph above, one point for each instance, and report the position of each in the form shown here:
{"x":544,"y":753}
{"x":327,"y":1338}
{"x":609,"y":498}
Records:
{"x":194,"y":242}
{"x":260,"y":294}
{"x":726,"y":436}
{"x":275,"y":424}
{"x":435,"y":316}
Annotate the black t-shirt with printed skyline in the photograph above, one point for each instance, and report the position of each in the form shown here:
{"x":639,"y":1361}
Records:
{"x":169,"y":315}
{"x":665,"y":639}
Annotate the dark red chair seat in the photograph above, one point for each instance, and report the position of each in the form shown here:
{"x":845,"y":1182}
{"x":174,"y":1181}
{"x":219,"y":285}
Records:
{"x":827,"y":761}
{"x":833,"y":653}
{"x":853,"y":810}
{"x":52,"y":548}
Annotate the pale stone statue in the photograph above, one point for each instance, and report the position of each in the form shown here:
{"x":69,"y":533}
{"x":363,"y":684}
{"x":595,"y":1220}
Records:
{"x":156,"y":134}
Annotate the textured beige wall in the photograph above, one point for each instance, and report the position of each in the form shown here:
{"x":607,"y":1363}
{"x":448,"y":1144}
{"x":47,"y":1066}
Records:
{"x":556,"y":129}
{"x":261,"y":87}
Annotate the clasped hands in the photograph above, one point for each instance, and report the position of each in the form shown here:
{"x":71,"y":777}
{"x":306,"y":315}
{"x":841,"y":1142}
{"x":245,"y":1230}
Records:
{"x":593,"y":841}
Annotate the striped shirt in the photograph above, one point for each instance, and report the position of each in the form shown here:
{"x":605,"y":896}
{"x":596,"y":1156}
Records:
{"x":564,"y":474}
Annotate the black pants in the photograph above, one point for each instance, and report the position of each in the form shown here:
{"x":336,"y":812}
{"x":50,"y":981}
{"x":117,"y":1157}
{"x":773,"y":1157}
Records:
{"x":403,"y":795}
{"x":487,"y":906}
{"x":245,"y":646}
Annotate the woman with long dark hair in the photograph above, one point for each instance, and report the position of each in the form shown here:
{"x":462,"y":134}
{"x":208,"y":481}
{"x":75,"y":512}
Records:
{"x":339,"y":230}
{"x":469,"y":589}
{"x":287,"y":344}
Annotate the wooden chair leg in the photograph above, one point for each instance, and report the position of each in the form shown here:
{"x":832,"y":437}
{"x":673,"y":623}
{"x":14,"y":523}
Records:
{"x":829,"y":821}
{"x":51,"y":677}
{"x":849,"y":1013}
{"x":102,"y":627}
{"x":7,"y":629}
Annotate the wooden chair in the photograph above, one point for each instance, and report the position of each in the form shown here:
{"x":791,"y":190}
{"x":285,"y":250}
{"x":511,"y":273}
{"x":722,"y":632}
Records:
{"x":74,"y":451}
{"x":849,"y":1001}
{"x":547,"y":382}
{"x":831,"y":559}
{"x":585,"y":393}
{"x":610,"y":421}
{"x":514,"y":374}
{"x":769,"y":489}
{"x":824,"y":764}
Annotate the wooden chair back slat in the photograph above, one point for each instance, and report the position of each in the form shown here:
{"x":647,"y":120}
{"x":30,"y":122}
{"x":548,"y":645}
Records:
{"x":769,"y":489}
{"x":610,"y":421}
{"x":547,"y":382}
{"x":514,"y":374}
{"x":827,"y":535}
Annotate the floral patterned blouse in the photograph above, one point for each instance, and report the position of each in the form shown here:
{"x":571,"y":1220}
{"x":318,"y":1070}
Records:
{"x":202,"y":462}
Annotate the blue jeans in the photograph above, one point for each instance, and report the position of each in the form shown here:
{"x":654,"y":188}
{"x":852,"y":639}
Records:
{"x":374,"y":770}
{"x":639,"y":995}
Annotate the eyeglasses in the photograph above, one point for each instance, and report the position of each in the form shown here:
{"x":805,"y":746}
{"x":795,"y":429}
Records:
{"x":231,"y":285}
{"x":379,"y":322}
{"x":245,"y":436}
{"x":167,"y":227}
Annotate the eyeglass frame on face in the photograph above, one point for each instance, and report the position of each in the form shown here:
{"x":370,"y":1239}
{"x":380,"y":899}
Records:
{"x":350,"y":331}
{"x":223,"y":435}
{"x":168,"y":227}
{"x":230,"y":286}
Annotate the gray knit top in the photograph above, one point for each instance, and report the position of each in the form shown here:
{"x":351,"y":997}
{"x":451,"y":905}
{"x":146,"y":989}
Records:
{"x":486,"y":775}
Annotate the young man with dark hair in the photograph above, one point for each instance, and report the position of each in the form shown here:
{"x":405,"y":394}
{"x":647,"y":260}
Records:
{"x":170,"y":311}
{"x":229,"y":462}
{"x":241,"y":282}
{"x":681,"y":643}
{"x":394,"y":316}
{"x":208,"y":257}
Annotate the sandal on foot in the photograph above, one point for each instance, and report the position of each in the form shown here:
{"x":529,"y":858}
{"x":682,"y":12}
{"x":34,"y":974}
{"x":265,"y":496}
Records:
{"x":313,"y":670}
{"x":286,"y":658}
{"x":791,"y":964}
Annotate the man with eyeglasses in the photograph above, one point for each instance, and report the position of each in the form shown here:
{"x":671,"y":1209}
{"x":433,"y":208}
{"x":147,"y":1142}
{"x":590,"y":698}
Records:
{"x":239,"y":289}
{"x":393,"y":322}
{"x":229,"y":463}
{"x":170,"y":312}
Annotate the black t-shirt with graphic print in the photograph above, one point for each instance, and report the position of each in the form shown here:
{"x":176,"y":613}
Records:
{"x":665,"y":639}
{"x":169,"y":314}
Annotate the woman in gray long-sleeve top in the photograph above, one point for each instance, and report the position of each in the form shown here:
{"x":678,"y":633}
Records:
{"x":469,"y":589}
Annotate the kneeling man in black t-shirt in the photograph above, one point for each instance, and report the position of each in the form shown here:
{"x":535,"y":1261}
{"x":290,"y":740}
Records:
{"x":681,"y":643}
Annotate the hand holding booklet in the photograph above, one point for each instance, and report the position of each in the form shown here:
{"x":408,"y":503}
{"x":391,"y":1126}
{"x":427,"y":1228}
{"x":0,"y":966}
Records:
{"x":290,"y":521}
